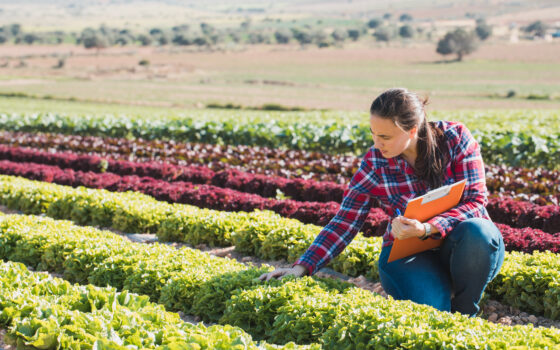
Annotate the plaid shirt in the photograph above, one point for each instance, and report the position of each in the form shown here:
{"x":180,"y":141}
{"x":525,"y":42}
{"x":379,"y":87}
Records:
{"x":393,"y":182}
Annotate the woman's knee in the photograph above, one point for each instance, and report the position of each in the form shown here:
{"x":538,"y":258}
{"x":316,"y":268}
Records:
{"x":477,"y":252}
{"x":478,"y":232}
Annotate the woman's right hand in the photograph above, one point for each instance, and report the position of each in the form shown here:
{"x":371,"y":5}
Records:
{"x":298,"y":271}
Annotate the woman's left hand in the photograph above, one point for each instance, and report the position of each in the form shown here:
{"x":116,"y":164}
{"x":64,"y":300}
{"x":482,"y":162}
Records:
{"x":403,"y":228}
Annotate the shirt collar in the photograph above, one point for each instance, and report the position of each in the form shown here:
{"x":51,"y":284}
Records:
{"x":399,"y":164}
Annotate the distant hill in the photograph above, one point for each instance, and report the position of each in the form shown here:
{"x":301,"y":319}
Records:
{"x":75,"y":15}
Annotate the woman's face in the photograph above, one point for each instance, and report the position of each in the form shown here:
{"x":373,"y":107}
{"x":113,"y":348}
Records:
{"x":390,"y":139}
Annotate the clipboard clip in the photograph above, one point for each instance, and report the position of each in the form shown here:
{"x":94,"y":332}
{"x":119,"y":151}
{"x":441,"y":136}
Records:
{"x":436,"y":194}
{"x":439,"y":192}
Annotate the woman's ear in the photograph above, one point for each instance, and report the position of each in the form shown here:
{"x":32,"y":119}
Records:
{"x":412,"y":132}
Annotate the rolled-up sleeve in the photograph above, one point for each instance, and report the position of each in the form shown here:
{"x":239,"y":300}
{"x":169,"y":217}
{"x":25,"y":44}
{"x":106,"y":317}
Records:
{"x":467,"y":164}
{"x":348,"y":221}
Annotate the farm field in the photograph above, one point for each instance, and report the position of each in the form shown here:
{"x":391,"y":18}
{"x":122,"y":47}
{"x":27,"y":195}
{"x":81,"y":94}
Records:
{"x":89,"y":169}
{"x":149,"y":180}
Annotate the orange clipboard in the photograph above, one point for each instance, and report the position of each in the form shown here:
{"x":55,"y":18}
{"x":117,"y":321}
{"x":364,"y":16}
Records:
{"x":422,"y":209}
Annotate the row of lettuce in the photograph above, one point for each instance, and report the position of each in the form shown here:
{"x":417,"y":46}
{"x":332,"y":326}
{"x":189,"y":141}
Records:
{"x":527,"y":281}
{"x":307,"y":310}
{"x":537,"y":185}
{"x":42,"y":312}
{"x":519,"y":148}
{"x":204,"y":196}
{"x":175,"y":183}
{"x":263,"y":185}
{"x":287,"y":163}
{"x":542,"y":121}
{"x":525,"y":239}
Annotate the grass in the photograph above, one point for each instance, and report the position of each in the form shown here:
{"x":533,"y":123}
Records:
{"x":333,"y":80}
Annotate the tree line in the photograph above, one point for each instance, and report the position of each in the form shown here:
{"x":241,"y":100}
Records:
{"x":459,"y":42}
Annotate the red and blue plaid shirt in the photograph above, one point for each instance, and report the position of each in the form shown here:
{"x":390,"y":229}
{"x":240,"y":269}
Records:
{"x":393,"y":182}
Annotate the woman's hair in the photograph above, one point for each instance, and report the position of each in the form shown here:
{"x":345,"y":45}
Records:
{"x":406,"y":110}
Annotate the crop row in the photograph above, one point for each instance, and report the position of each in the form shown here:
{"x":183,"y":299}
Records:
{"x":43,"y":312}
{"x":502,"y":208}
{"x":504,"y":147}
{"x":266,"y":186}
{"x":542,"y":121}
{"x":539,"y":185}
{"x":203,"y":196}
{"x":306,"y":310}
{"x":261,"y":234}
{"x":125,"y":318}
{"x":262,"y":160}
{"x":521,"y":214}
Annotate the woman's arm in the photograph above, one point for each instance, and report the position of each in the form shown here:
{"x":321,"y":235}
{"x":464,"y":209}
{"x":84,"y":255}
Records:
{"x":339,"y":232}
{"x":343,"y":227}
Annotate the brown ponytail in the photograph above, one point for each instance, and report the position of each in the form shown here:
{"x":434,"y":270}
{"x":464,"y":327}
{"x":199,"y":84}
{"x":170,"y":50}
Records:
{"x":407,"y":110}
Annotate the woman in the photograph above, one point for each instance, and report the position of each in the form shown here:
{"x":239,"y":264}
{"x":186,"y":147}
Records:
{"x":411,"y":156}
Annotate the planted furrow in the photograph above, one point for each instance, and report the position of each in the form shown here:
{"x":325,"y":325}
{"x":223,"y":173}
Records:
{"x":540,"y":186}
{"x":42,"y":312}
{"x":305,"y":310}
{"x":331,"y":136}
{"x":253,"y":159}
{"x":204,"y":196}
{"x":502,"y":209}
{"x":267,"y":186}
{"x":261,"y":234}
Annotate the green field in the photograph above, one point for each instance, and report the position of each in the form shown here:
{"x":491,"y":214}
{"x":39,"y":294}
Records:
{"x":541,"y":122}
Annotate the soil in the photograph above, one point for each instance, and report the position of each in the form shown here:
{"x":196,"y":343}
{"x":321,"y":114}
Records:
{"x":3,"y":345}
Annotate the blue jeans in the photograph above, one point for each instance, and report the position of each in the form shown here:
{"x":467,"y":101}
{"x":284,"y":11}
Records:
{"x":453,"y":277}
